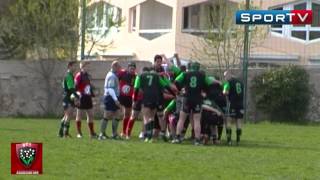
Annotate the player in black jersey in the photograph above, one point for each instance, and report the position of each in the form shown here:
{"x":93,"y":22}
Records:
{"x":233,"y":90}
{"x":194,"y":82}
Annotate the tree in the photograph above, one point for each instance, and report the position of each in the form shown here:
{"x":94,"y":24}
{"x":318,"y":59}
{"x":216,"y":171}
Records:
{"x":222,"y":44}
{"x":102,"y":19}
{"x":42,"y":29}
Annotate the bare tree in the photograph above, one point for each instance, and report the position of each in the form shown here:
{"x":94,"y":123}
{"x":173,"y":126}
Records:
{"x":49,"y":83}
{"x":222,"y":44}
{"x":102,"y":20}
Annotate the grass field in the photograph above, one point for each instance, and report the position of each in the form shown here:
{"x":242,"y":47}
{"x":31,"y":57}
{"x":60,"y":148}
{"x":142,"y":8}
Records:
{"x":268,"y":151}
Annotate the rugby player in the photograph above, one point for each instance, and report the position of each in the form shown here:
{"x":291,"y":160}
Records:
{"x":136,"y":109}
{"x":151,"y":84}
{"x":126,"y":82}
{"x":210,"y":119}
{"x":84,"y":88}
{"x":69,"y":98}
{"x":194,"y":81}
{"x":233,"y":90}
{"x":111,"y":102}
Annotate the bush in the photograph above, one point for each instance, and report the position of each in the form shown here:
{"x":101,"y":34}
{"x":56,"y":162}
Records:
{"x":283,"y":94}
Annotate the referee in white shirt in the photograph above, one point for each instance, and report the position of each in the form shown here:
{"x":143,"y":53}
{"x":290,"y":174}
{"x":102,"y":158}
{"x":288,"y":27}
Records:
{"x":111,"y":102}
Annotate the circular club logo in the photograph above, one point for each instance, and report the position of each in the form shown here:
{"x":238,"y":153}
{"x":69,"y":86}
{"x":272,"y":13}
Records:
{"x":125,"y":89}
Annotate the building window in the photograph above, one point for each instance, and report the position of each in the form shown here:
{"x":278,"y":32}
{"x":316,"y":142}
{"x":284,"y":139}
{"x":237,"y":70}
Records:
{"x":305,"y":33}
{"x":99,"y":16}
{"x":191,"y":18}
{"x":186,"y":17}
{"x":133,"y":18}
{"x":155,"y":19}
{"x":200,"y":19}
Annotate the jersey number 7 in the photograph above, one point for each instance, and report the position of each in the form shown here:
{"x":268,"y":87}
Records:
{"x":150,"y":78}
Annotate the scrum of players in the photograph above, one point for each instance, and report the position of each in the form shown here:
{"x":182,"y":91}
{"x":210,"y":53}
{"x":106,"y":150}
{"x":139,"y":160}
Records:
{"x":171,"y":98}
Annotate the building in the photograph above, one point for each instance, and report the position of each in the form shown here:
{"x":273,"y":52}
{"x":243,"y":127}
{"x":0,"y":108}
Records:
{"x":167,"y":26}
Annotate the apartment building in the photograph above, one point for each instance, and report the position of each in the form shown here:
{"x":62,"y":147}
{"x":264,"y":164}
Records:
{"x":167,"y":26}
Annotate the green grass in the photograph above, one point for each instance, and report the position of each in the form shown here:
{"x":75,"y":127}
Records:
{"x":268,"y":151}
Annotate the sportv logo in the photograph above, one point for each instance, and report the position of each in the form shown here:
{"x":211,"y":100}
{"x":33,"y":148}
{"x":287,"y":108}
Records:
{"x":274,"y":17}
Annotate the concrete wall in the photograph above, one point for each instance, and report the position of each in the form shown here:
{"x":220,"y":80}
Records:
{"x":24,"y":91}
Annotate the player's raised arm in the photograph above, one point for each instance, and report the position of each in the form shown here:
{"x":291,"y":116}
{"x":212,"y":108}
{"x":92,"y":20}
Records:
{"x":176,"y":55}
{"x":210,"y":80}
{"x":209,"y":108}
{"x":137,"y":85}
{"x":165,"y":83}
{"x":226,"y":88}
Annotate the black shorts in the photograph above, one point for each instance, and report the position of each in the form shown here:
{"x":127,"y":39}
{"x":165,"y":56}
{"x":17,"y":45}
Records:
{"x":151,"y":105}
{"x":85,"y":102}
{"x":137,"y":106}
{"x":109,"y":104}
{"x":191,"y":105}
{"x":67,"y":102}
{"x":236,"y":110}
{"x":209,"y":119}
{"x":222,"y":104}
{"x":126,"y":101}
{"x":160,"y":107}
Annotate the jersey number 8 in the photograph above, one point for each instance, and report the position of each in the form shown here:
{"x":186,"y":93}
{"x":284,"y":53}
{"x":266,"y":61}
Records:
{"x":193,"y":82}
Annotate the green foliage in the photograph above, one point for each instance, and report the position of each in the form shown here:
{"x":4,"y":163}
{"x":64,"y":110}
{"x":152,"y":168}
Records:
{"x":283,"y":94}
{"x":41,"y":29}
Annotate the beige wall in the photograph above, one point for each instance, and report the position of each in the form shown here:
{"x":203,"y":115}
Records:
{"x":128,"y":42}
{"x":23,"y":90}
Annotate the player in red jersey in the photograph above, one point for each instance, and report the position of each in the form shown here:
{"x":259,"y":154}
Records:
{"x":136,"y":109}
{"x":84,"y":88}
{"x":126,"y":83}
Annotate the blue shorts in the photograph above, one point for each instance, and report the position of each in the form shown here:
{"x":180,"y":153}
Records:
{"x":109,"y":104}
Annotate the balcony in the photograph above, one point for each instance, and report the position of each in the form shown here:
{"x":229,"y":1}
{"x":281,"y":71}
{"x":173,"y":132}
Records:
{"x":155,"y":19}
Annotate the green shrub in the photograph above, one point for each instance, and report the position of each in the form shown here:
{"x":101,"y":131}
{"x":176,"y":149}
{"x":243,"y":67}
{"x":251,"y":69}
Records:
{"x":283,"y":94}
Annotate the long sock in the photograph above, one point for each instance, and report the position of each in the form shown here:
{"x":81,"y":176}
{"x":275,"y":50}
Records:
{"x":214,"y":137}
{"x":229,"y":132}
{"x":66,"y":128}
{"x":147,"y":131}
{"x":125,"y":125}
{"x":78,"y":123}
{"x":239,"y":132}
{"x":151,"y":129}
{"x":192,"y":133}
{"x":61,"y":128}
{"x":103,"y":125}
{"x":129,"y":127}
{"x":220,"y":130}
{"x":115,"y":123}
{"x":90,"y":125}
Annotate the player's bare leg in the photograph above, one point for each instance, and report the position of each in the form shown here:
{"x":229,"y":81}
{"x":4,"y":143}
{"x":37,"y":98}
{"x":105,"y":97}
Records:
{"x":67,"y":116}
{"x":228,"y":130}
{"x":163,"y":125}
{"x":60,"y":132}
{"x":89,"y":114}
{"x":126,"y":118}
{"x":133,"y":117}
{"x":197,"y":127}
{"x":180,"y":126}
{"x":107,"y":115}
{"x":78,"y":123}
{"x":148,"y":116}
{"x":115,"y":124}
{"x":239,"y":130}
